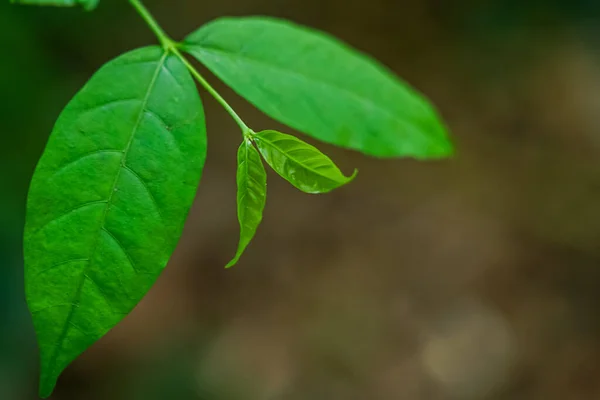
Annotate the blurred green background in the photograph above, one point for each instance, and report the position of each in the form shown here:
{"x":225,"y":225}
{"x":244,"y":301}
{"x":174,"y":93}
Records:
{"x":476,"y":278}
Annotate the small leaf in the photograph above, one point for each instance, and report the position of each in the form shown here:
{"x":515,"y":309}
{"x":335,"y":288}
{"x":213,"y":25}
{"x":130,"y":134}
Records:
{"x":301,"y":164}
{"x":108,"y":201}
{"x":251,"y":195}
{"x":320,"y":86}
{"x":87,"y":4}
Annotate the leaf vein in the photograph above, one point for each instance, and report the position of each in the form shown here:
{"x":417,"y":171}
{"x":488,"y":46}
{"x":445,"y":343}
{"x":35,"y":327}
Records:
{"x":169,"y":131}
{"x":53,"y":306}
{"x":66,"y":213}
{"x":300,"y":163}
{"x":265,"y":66}
{"x":83,"y":157}
{"x":108,"y":104}
{"x":121,"y":247}
{"x":146,"y":188}
{"x":58,"y":265}
{"x":101,"y":291}
{"x":65,"y":330}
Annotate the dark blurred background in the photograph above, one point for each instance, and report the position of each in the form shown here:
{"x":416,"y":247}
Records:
{"x":475,"y":278}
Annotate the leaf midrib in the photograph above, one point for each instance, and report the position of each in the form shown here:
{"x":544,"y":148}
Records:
{"x":243,"y":207}
{"x":307,"y":77}
{"x":246,"y":182}
{"x":67,"y":325}
{"x":289,"y":157}
{"x":360,"y":98}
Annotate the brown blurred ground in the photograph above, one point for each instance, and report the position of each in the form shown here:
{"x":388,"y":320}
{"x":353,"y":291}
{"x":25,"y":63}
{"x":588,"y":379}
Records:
{"x":473,"y":278}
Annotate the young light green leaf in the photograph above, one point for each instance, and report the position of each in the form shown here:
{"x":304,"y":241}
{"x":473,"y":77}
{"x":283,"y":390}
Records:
{"x":251,"y":195}
{"x":108,"y":201}
{"x":87,"y":4}
{"x":318,"y":85}
{"x":301,"y":164}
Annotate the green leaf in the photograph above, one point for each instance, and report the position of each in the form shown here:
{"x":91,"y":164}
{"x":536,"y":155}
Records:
{"x":87,"y":4}
{"x":301,"y":164}
{"x":108,"y":201}
{"x":318,"y":85}
{"x":251,"y":195}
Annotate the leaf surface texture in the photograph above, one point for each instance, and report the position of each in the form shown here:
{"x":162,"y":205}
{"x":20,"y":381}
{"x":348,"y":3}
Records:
{"x":251,"y":195}
{"x":320,"y":86}
{"x":301,"y":164}
{"x":108,"y":200}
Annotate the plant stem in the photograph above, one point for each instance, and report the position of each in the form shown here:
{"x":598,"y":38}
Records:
{"x":212,"y":91}
{"x":170,"y":46}
{"x":164,"y":39}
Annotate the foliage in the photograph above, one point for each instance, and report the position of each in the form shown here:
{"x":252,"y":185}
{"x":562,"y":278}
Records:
{"x":319,"y":86}
{"x":112,"y":190}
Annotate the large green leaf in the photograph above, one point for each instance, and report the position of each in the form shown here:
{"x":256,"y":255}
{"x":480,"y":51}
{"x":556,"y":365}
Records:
{"x":108,"y":201}
{"x":87,"y":4}
{"x":318,"y":85}
{"x":251,"y":195}
{"x":301,"y":164}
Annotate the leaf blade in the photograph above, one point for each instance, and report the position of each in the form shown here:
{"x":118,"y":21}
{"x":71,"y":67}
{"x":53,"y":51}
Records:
{"x":251,"y":195}
{"x":102,"y":216}
{"x":320,"y":86}
{"x":299,"y":163}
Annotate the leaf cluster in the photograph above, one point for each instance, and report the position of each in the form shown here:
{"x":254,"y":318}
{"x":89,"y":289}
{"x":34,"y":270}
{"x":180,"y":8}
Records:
{"x":112,"y":190}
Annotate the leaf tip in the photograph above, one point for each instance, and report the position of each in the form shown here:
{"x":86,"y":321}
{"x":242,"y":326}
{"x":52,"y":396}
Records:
{"x":351,"y":177}
{"x":439,"y":149}
{"x":444,"y":148}
{"x":232,"y":263}
{"x":47,"y":385}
